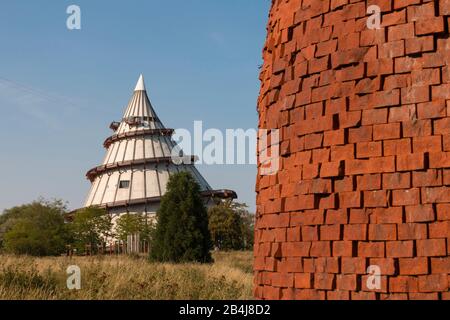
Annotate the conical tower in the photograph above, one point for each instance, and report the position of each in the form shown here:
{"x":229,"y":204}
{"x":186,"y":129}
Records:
{"x":138,"y":163}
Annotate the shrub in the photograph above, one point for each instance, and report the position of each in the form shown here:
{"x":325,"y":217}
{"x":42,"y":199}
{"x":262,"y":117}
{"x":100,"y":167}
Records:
{"x":90,"y":227}
{"x":182,"y":233}
{"x":129,"y":224}
{"x":36,"y":229}
{"x":231,"y":226}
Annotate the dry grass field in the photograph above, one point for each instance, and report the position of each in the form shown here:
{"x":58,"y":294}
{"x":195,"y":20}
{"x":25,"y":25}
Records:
{"x":127,"y":277}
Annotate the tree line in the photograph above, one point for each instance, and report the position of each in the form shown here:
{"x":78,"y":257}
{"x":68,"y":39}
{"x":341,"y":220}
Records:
{"x":185,"y":230}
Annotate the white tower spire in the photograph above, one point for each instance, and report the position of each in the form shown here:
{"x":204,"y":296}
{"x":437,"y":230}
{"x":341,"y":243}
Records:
{"x":140,"y":85}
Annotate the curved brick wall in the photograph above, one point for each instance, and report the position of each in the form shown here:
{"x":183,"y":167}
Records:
{"x":364,"y":118}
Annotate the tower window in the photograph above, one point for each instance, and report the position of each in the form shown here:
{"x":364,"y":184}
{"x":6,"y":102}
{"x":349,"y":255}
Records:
{"x":124,"y":184}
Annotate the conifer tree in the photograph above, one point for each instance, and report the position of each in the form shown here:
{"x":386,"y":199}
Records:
{"x":182,"y":233}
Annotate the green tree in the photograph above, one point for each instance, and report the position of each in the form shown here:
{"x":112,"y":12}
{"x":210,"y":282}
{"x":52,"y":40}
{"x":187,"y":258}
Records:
{"x":182,"y":233}
{"x":36,"y":229}
{"x":231,"y":226}
{"x":90,"y":226}
{"x":129,"y":224}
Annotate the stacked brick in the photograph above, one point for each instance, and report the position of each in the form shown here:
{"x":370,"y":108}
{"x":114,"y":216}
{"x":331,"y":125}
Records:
{"x":364,"y":177}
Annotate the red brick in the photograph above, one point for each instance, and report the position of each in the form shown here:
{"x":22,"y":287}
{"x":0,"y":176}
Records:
{"x":397,"y":81}
{"x":313,"y":141}
{"x":416,"y":128}
{"x":321,"y":249}
{"x":416,"y":13}
{"x":309,"y":294}
{"x":355,"y":265}
{"x":293,"y":234}
{"x":402,"y":113}
{"x":412,"y":161}
{"x":310,"y":233}
{"x":282,"y":280}
{"x":440,"y":265}
{"x":303,"y":281}
{"x":342,"y":248}
{"x":334,"y":137}
{"x":343,"y":184}
{"x":401,"y":31}
{"x":386,"y":131}
{"x":365,"y":281}
{"x":369,"y":149}
{"x":428,"y":178}
{"x":388,"y":215}
{"x":361,"y":295}
{"x":300,"y":202}
{"x":419,"y":213}
{"x":443,"y":211}
{"x":433,"y":109}
{"x":439,"y":159}
{"x":331,"y":169}
{"x":439,"y":229}
{"x":413,"y":266}
{"x":436,"y":195}
{"x":412,"y":231}
{"x":342,"y":152}
{"x":369,"y":182}
{"x":433,"y":283}
{"x":392,"y":49}
{"x":427,"y":144}
{"x":431,"y":248}
{"x":415,"y":94}
{"x":296,"y":249}
{"x":371,"y":249}
{"x":318,"y":65}
{"x":382,"y":66}
{"x":324,"y":281}
{"x":399,"y":249}
{"x":346,"y":57}
{"x":350,"y":73}
{"x":330,"y":232}
{"x":394,"y":18}
{"x":361,"y":134}
{"x":373,"y":199}
{"x":382,"y":232}
{"x":374,"y":165}
{"x":372,"y":37}
{"x":321,"y":155}
{"x":431,"y":25}
{"x":397,"y":147}
{"x":442,"y":126}
{"x":347,"y":282}
{"x":355,"y":232}
{"x":349,"y":119}
{"x":418,"y":45}
{"x":360,"y":216}
{"x":350,"y":199}
{"x":374,"y":116}
{"x":336,"y":216}
{"x":403,"y":284}
{"x":406,"y":197}
{"x":387,"y":265}
{"x":397,"y":180}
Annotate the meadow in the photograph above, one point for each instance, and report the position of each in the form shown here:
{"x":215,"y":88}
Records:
{"x":127,"y":277}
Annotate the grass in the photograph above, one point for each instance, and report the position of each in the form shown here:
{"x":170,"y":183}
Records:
{"x":127,"y":277}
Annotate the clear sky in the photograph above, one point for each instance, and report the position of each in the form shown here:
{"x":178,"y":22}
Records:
{"x":60,"y":89}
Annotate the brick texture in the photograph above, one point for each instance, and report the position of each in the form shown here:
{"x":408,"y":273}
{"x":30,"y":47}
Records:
{"x":364,"y":175}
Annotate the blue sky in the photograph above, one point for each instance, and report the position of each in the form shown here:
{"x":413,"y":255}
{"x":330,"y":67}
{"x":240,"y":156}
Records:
{"x":60,"y":89}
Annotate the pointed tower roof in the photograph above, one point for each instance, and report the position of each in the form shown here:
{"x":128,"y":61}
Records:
{"x":140,"y":85}
{"x":138,"y":161}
